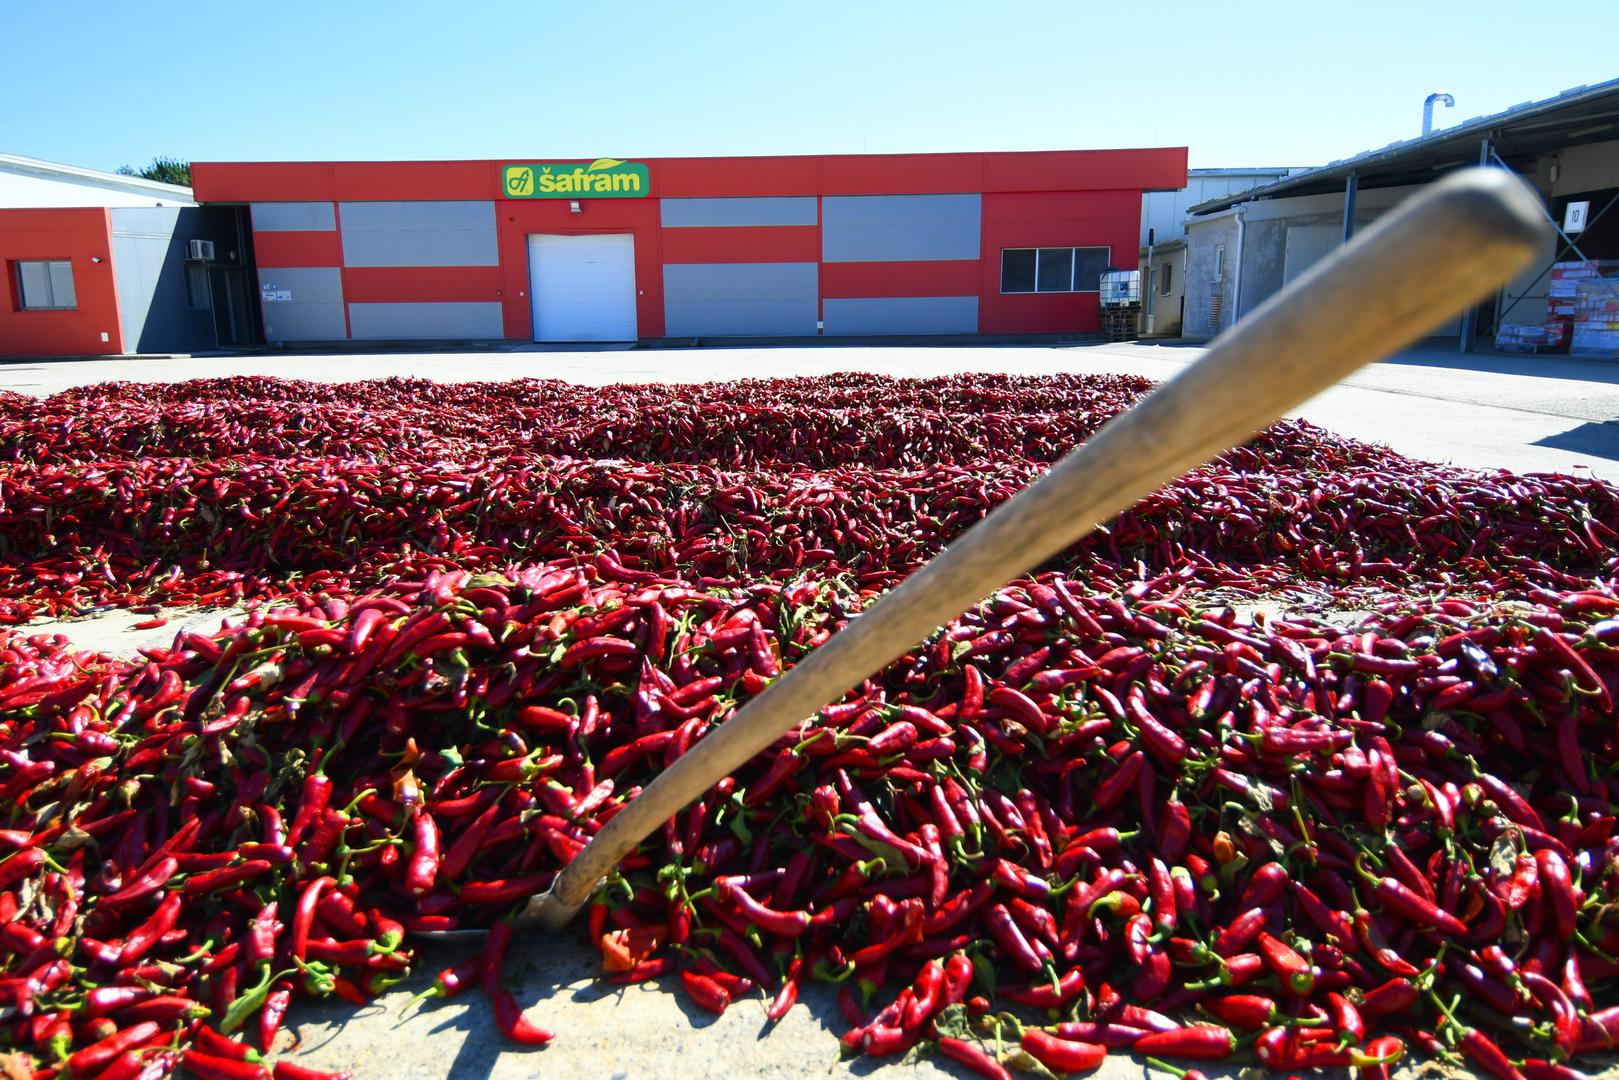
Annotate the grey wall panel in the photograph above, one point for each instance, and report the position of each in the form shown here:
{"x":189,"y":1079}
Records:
{"x":304,"y":322}
{"x":307,"y":284}
{"x":427,"y":233}
{"x":895,"y":228}
{"x":419,"y":214}
{"x":294,"y":217}
{"x":149,"y":267}
{"x":739,"y":318}
{"x":144,"y":220}
{"x":740,"y":281}
{"x":446,"y":321}
{"x":901,"y":315}
{"x":314,"y":308}
{"x":740,"y":299}
{"x":767,"y":210}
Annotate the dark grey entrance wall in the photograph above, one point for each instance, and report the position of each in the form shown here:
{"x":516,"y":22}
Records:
{"x":149,"y":269}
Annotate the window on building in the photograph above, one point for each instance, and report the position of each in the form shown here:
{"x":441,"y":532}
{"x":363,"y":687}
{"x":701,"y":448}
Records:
{"x":1056,"y":273}
{"x":1017,"y":270}
{"x":1219,"y":262}
{"x":1165,"y":275}
{"x":1053,"y":270}
{"x":46,"y":285}
{"x":196,"y":287}
{"x":1090,"y":263}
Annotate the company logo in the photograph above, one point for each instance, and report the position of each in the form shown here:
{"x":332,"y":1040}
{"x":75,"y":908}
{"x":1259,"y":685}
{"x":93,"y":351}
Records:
{"x":604,"y":178}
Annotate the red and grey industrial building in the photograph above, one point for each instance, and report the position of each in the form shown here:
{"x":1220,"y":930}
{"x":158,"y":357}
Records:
{"x":681,"y":249}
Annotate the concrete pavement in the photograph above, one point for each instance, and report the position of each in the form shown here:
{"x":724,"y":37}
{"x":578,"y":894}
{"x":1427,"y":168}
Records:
{"x":1526,"y":413}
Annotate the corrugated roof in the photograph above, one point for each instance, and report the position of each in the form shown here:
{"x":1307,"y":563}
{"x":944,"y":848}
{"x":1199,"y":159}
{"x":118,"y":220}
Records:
{"x":1576,"y":115}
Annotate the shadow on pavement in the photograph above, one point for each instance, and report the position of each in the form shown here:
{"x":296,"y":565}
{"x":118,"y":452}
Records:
{"x":1599,"y":438}
{"x":1579,"y":369}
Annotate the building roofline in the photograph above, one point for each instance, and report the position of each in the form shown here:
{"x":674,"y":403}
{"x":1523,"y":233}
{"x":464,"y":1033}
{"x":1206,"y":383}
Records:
{"x":1281,"y":170}
{"x":52,"y":169}
{"x":1469,"y":130}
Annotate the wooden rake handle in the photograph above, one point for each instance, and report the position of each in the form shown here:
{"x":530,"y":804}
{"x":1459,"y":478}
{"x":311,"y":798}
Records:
{"x":1421,"y":265}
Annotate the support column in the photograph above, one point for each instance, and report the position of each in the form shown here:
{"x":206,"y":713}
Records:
{"x":1351,"y":189}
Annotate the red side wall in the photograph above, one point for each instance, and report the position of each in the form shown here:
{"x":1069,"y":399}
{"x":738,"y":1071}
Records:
{"x":78,"y":235}
{"x":1048,"y":199}
{"x":1109,"y":219}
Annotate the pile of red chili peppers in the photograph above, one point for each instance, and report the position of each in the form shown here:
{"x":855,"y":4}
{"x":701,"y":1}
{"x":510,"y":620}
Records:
{"x":1116,"y":806}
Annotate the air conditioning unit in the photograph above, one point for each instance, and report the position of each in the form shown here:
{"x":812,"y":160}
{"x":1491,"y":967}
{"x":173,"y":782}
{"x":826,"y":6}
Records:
{"x":200,"y":250}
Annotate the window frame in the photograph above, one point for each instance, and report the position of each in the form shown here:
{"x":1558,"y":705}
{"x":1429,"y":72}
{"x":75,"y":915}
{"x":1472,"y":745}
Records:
{"x":1219,"y":262}
{"x":17,"y":266}
{"x":1165,"y":273}
{"x":1035,"y":278}
{"x":1073,"y":266}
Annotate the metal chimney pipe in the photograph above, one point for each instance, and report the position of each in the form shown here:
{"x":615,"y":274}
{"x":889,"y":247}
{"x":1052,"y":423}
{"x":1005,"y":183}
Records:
{"x":1427,"y":108}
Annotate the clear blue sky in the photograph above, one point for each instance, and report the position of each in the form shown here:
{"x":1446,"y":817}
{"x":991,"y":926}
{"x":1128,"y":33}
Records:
{"x":100,"y":83}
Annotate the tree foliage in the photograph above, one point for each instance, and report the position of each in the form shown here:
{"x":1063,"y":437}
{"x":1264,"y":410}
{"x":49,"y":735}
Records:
{"x":165,"y":170}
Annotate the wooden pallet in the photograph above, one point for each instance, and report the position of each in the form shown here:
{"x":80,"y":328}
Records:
{"x":1121,"y":323}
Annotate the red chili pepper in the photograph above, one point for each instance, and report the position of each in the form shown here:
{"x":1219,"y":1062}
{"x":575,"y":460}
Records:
{"x":212,"y":1042}
{"x":1062,"y":1055}
{"x":1482,"y":1051}
{"x":304,"y":916}
{"x":1198,"y":1042}
{"x":422,"y":870}
{"x":288,"y":1070}
{"x":1286,"y":964}
{"x":705,"y":992}
{"x":212,"y":1067}
{"x":97,"y":1055}
{"x":1239,"y":933}
{"x":509,"y":1018}
{"x":973,"y":1058}
{"x":1416,"y":909}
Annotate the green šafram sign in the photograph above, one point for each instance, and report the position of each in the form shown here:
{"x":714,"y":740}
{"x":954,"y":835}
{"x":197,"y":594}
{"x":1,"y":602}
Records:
{"x":604,"y":178}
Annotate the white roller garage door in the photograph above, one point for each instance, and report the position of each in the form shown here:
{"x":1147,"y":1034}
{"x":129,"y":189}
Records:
{"x":583,"y":287}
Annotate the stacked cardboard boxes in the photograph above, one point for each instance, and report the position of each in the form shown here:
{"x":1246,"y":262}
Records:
{"x":1584,"y":297}
{"x":1596,"y":319}
{"x":1526,"y":338}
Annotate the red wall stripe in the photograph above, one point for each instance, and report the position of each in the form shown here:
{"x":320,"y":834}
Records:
{"x":847,"y":174}
{"x":297,"y":249}
{"x":745,"y":243}
{"x":262,"y":181}
{"x":956,"y":277}
{"x":423,"y":284}
{"x":365,"y":181}
{"x":674,"y":178}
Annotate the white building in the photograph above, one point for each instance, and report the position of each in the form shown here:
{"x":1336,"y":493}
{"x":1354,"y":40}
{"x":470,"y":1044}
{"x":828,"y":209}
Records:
{"x":1163,"y":231}
{"x":29,"y":182}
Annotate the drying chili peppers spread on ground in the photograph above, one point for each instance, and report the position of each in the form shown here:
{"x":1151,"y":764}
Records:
{"x":1308,"y":761}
